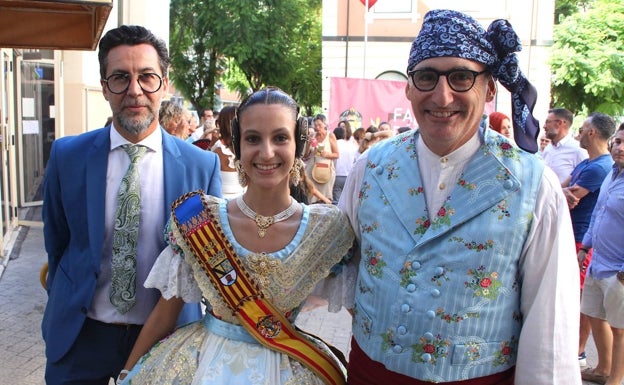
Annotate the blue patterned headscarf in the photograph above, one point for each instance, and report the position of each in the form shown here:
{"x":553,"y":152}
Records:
{"x":455,"y":34}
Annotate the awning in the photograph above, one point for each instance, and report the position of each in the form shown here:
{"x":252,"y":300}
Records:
{"x":49,"y":24}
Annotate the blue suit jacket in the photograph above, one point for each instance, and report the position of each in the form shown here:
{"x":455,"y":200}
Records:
{"x":73,"y":218}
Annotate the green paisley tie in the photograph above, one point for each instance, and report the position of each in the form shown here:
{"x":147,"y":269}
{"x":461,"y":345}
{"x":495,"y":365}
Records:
{"x":126,"y":233}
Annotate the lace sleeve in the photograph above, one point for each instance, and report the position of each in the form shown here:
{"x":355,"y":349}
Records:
{"x":172,"y":275}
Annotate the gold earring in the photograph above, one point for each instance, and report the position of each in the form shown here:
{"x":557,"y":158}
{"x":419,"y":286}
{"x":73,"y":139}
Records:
{"x":242,"y":175}
{"x":295,"y":172}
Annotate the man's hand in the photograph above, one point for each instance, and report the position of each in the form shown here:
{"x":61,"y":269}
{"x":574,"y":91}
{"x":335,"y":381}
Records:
{"x":572,"y":199}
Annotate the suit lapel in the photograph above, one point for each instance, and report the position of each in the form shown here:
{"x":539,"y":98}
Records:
{"x":96,"y":168}
{"x":173,"y":168}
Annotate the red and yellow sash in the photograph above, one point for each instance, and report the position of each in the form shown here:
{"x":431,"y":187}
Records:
{"x":265,"y":323}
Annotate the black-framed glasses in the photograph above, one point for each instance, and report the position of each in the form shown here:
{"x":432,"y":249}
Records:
{"x":460,"y":80}
{"x":119,"y":83}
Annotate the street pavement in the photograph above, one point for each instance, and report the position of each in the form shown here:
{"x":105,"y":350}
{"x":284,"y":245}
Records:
{"x":22,"y":301}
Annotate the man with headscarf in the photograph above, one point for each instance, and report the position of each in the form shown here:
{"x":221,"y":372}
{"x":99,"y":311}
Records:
{"x":465,"y":240}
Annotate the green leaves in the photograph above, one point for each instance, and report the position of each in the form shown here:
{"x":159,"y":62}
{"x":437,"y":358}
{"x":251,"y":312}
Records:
{"x":270,"y":42}
{"x":587,"y":60}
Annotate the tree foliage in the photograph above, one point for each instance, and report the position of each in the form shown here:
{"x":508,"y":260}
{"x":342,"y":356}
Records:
{"x":266,"y":42}
{"x":564,"y":8}
{"x":588,"y":59}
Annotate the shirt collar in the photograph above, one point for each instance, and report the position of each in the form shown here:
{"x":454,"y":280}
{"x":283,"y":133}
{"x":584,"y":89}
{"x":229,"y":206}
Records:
{"x":459,"y":156}
{"x":153,"y":141}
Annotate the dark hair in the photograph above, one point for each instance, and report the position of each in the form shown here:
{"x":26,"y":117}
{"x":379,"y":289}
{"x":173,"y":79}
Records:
{"x":271,"y":95}
{"x":339,"y":132}
{"x":224,"y":122}
{"x":131,"y":35}
{"x":563,"y":113}
{"x":603,"y":123}
{"x":359,"y":133}
{"x":403,"y":129}
{"x":322,"y":118}
{"x":347,"y":126}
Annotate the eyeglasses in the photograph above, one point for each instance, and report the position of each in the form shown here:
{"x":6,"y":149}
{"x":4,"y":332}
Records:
{"x":460,"y":80}
{"x":119,"y":83}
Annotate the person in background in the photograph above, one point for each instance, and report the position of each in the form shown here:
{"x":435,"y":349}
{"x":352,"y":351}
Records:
{"x":358,"y":135}
{"x":191,"y":118}
{"x":564,"y":152}
{"x":171,"y":118}
{"x":603,"y":295}
{"x":322,"y":156}
{"x":543,"y":143}
{"x":97,"y":304}
{"x":347,"y":127}
{"x":501,"y":123}
{"x":385,"y":126}
{"x":344,"y":163}
{"x":274,"y":247}
{"x":581,"y":189}
{"x":464,"y":273}
{"x":231,"y":186}
{"x":371,"y":137}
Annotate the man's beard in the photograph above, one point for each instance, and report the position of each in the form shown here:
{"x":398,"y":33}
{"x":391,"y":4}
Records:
{"x":135,"y":125}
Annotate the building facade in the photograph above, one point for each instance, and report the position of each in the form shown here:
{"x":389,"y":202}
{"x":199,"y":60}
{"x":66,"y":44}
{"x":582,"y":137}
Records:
{"x":376,"y":44}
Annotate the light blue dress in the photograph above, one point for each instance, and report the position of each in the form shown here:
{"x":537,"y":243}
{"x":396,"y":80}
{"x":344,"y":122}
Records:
{"x":217,"y":349}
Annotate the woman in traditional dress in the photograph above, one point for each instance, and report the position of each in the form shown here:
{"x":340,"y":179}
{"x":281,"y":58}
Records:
{"x":254,"y":259}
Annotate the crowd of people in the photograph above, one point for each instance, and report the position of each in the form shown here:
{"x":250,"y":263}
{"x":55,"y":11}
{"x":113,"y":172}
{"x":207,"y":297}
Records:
{"x":181,"y":250}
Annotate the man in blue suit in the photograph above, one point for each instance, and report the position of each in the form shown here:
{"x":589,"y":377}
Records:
{"x":87,"y":338}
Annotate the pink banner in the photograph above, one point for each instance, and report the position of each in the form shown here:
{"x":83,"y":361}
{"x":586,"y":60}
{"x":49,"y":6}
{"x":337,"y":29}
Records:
{"x":366,"y":102}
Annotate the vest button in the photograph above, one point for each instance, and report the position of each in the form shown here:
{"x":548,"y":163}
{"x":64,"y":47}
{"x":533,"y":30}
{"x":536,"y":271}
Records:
{"x":405,"y":308}
{"x":435,"y":293}
{"x":397,"y":349}
{"x":430,"y":314}
{"x":411,"y":287}
{"x":402,"y":330}
{"x":439,"y":270}
{"x":508,"y":184}
{"x":415,"y":265}
{"x":428,"y":336}
{"x":379,"y":170}
{"x":426,"y":357}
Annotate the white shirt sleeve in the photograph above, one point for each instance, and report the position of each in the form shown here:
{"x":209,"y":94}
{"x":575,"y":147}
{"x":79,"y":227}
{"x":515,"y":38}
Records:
{"x":173,"y":277}
{"x":550,"y":293}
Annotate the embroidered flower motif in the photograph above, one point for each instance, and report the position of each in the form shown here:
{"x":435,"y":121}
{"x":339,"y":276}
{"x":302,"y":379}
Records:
{"x":504,"y":174}
{"x":392,"y":169}
{"x":422,"y":224}
{"x":415,"y":191}
{"x":506,"y":352}
{"x":501,"y":209}
{"x":448,"y":317}
{"x":369,"y":228}
{"x":438,"y":278}
{"x":468,"y":186}
{"x":374,"y":262}
{"x":473,"y":351}
{"x":388,"y":340}
{"x":483,"y":283}
{"x":407,"y":274}
{"x":362,"y":195}
{"x":472,"y":245}
{"x":430,"y":351}
{"x":443,"y":216}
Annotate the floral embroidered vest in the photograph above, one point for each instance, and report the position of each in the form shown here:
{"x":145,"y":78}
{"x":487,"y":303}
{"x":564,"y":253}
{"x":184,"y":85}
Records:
{"x":439,"y":300}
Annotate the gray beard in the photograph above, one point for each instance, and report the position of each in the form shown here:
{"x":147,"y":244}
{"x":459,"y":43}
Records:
{"x":135,"y":126}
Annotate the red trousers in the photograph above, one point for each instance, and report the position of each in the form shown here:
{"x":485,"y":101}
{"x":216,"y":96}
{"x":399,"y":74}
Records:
{"x":364,"y":371}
